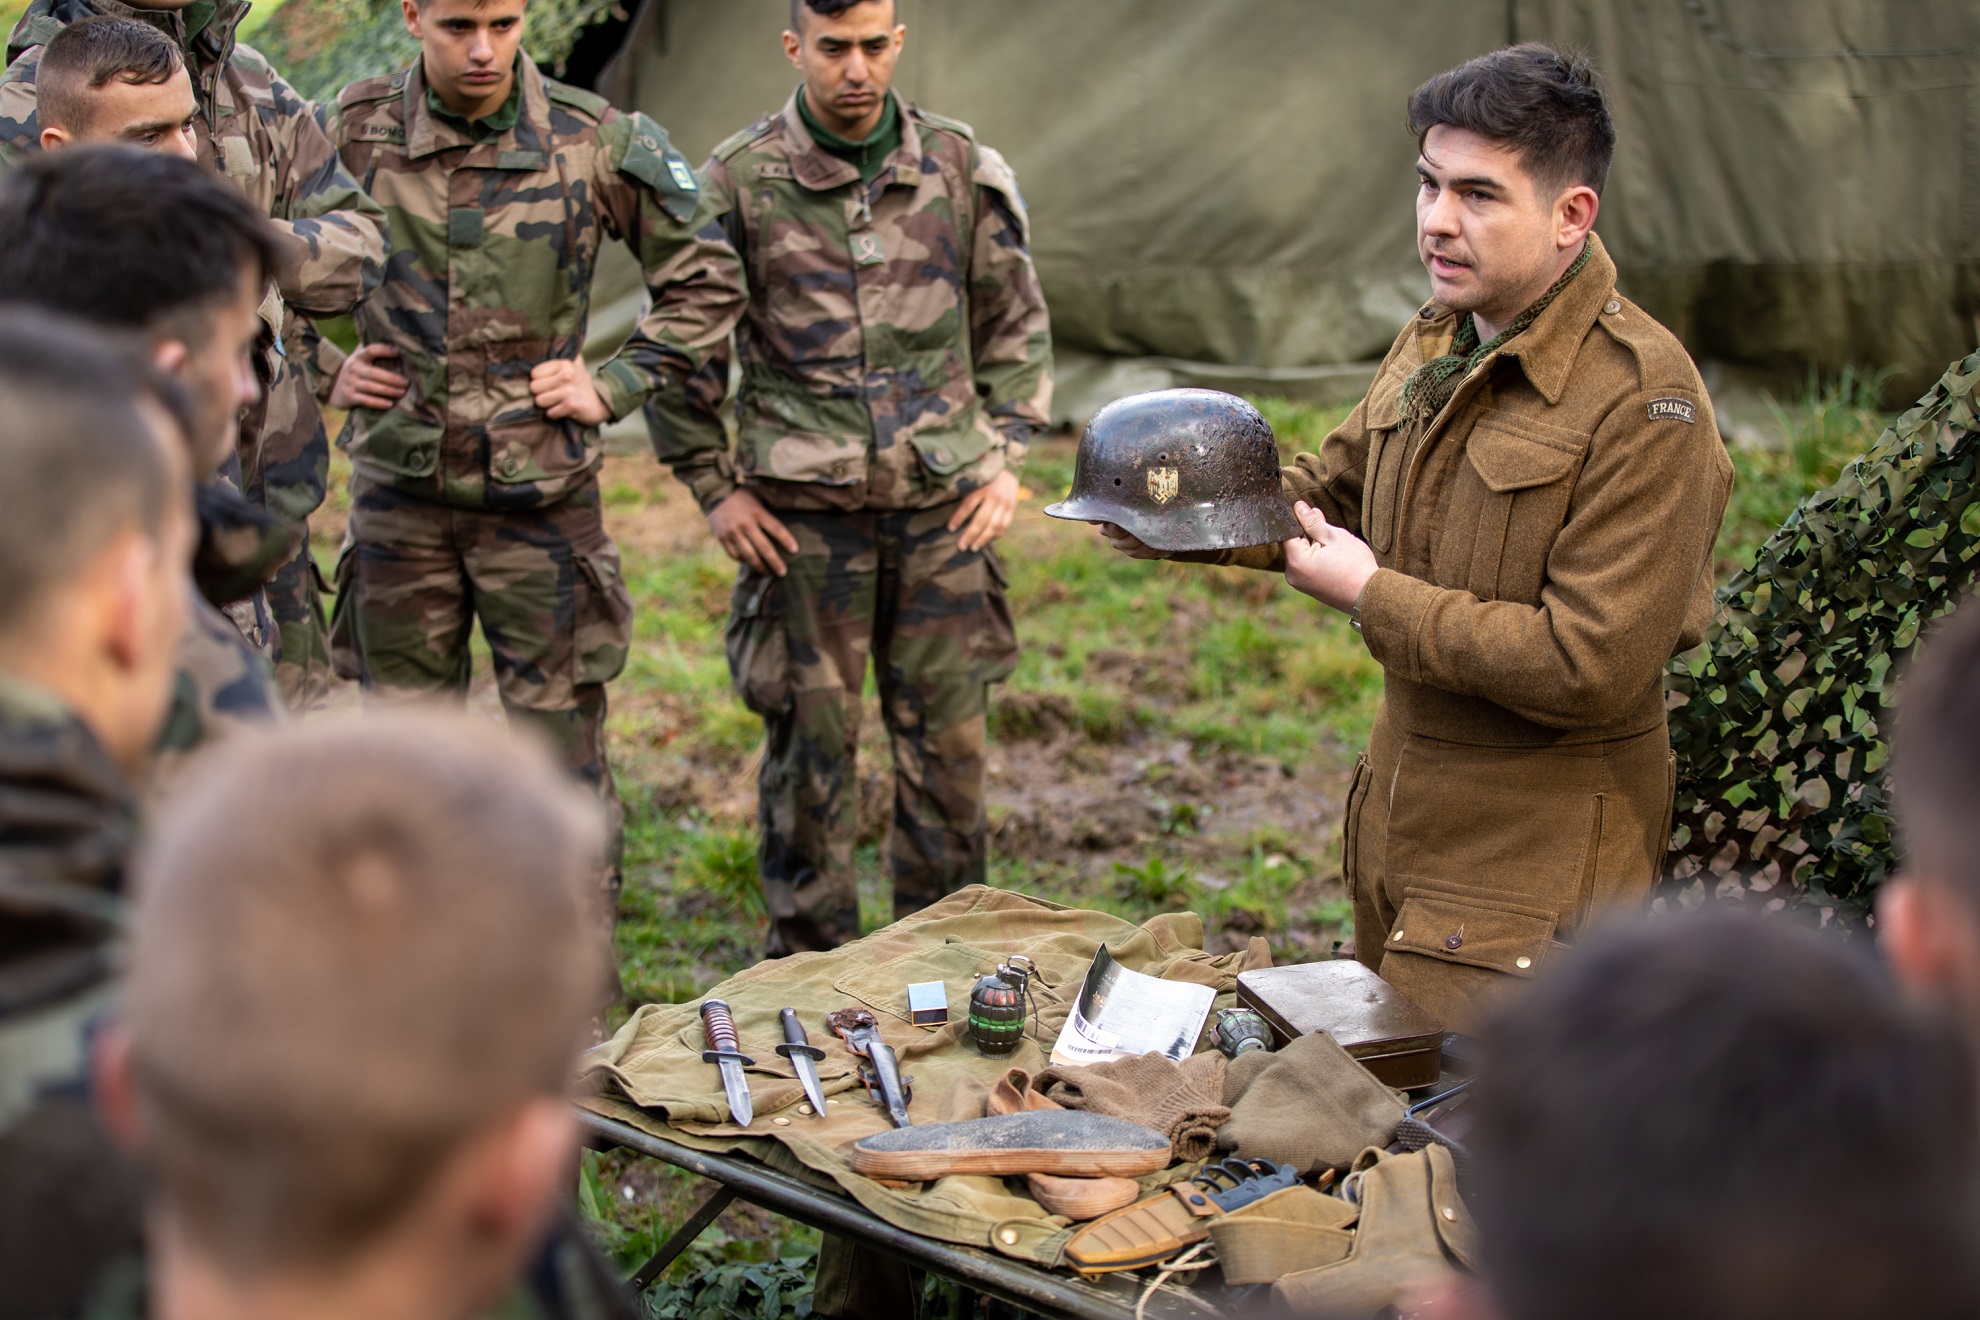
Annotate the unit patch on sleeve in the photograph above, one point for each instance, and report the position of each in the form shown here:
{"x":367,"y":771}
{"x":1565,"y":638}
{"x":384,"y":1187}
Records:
{"x":1676,"y":410}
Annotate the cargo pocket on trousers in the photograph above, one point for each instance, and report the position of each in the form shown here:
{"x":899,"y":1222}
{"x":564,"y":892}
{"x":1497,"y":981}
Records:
{"x":758,"y":643}
{"x":1450,"y":951}
{"x":1351,"y":824}
{"x":346,"y":654}
{"x":601,"y":618}
{"x":997,"y":640}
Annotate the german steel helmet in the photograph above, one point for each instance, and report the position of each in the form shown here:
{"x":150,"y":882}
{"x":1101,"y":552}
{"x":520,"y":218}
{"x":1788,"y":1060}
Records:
{"x":1181,"y":470}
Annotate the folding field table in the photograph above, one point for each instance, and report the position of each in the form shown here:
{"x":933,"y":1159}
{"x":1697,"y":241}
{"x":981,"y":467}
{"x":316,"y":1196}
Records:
{"x":1048,"y":1292}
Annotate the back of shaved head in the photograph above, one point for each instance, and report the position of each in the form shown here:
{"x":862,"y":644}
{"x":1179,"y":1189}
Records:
{"x":357,"y":944}
{"x":79,"y":462}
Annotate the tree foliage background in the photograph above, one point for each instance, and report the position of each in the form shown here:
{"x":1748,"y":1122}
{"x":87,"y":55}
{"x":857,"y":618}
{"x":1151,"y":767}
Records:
{"x":321,"y":45}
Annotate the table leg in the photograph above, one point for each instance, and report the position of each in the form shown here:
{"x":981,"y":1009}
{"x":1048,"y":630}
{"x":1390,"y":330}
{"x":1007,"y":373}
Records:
{"x":644,"y":1276}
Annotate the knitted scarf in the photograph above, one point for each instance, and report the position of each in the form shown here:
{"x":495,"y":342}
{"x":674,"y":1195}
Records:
{"x":1431,"y":385}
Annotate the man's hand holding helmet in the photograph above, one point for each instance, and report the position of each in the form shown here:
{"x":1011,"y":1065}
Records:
{"x":1329,"y":563}
{"x":1127,"y":542}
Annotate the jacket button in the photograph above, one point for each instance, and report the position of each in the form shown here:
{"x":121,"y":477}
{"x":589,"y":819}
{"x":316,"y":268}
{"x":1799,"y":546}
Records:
{"x":1612,"y":306}
{"x":1007,"y":1236}
{"x":1396,"y":938}
{"x":839,"y":470}
{"x":1522,"y":962}
{"x":1453,"y":941}
{"x":510,"y":466}
{"x":1448,"y":1213}
{"x":939,"y":455}
{"x":648,"y":141}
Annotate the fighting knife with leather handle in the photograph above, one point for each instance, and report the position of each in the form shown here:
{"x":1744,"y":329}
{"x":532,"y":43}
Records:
{"x":804,"y":1056}
{"x":724,"y":1051}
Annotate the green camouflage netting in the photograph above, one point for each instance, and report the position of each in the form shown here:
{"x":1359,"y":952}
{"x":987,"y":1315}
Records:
{"x":322,"y":46}
{"x":1777,"y":717}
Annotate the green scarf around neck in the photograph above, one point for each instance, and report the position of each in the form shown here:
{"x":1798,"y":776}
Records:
{"x":1431,"y":385}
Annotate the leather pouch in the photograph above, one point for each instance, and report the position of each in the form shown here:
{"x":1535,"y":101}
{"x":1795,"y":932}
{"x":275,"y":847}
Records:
{"x":1412,"y":1228}
{"x":1292,"y":1230}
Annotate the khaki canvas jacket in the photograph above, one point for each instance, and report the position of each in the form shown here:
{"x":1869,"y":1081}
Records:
{"x":495,"y":238}
{"x":1545,"y":547}
{"x":897,"y":352}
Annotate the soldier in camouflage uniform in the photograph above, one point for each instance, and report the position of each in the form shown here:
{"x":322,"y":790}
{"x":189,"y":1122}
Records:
{"x":896,"y":358}
{"x":474,"y":490}
{"x":254,"y":128}
{"x":97,"y":533}
{"x":190,"y":295}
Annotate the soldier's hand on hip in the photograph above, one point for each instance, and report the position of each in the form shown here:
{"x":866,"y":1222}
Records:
{"x":1127,"y":542}
{"x":564,"y":388}
{"x":751,"y":533}
{"x":1328,"y":563}
{"x":986,"y":512}
{"x":362,"y":383}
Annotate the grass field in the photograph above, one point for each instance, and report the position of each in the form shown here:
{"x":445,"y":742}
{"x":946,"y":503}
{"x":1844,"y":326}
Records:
{"x":1174,"y":737}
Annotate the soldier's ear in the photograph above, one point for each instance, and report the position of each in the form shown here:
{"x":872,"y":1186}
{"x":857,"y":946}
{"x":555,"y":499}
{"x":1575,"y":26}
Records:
{"x":1452,"y":1298}
{"x":170,"y":356}
{"x":111,"y":1087}
{"x":410,"y":9}
{"x":1923,"y":935}
{"x":54,"y":139}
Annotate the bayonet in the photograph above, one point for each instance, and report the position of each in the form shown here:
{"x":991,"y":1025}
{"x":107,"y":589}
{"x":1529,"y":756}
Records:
{"x":724,"y":1051}
{"x":881,"y":1070}
{"x":804,"y":1056}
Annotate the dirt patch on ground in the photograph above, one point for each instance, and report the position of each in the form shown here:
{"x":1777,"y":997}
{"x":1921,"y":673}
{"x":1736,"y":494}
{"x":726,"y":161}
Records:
{"x":1138,"y":820}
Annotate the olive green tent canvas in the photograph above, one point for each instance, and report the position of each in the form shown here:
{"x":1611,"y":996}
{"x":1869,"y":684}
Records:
{"x":1229,"y":181}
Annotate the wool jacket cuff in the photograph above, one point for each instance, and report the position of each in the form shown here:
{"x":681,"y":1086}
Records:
{"x":1392,"y":608}
{"x":1268,"y":558}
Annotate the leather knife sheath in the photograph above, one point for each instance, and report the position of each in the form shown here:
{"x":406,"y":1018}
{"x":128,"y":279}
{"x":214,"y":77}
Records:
{"x":1140,"y":1234}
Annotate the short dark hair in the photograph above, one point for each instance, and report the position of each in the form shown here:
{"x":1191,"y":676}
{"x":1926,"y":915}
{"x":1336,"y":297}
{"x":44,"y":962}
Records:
{"x":78,"y":459}
{"x":1664,"y":1126}
{"x":87,"y":54}
{"x":1541,"y":101}
{"x":1935,"y":752}
{"x":123,"y":237}
{"x":825,"y":9}
{"x":420,"y":872}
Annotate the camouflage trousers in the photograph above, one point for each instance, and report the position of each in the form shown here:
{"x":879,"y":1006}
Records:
{"x":935,"y":621}
{"x":302,"y":655}
{"x":413,"y":577}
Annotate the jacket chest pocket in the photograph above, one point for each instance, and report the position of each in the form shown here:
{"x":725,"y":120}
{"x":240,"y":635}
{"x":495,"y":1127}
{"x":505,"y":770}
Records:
{"x":1508,"y":501}
{"x":1378,"y":504}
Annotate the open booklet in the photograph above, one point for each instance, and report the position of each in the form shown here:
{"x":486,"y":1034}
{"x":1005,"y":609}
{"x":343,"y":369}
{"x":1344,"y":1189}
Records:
{"x":1120,"y":1012}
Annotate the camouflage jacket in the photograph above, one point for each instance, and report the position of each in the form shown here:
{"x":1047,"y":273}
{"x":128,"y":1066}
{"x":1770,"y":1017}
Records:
{"x":223,"y":684}
{"x":68,"y":819}
{"x":495,"y":235}
{"x":896,"y":353}
{"x":254,"y":128}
